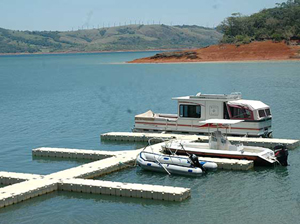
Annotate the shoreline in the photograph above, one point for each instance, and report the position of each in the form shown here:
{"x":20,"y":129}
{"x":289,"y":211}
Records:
{"x":254,"y":51}
{"x":91,"y":52}
{"x":216,"y":61}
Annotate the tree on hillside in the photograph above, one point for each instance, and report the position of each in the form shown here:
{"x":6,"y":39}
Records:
{"x":279,"y":23}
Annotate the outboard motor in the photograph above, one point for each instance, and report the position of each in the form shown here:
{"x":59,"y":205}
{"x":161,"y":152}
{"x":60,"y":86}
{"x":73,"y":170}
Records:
{"x":281,"y":154}
{"x":195,"y":161}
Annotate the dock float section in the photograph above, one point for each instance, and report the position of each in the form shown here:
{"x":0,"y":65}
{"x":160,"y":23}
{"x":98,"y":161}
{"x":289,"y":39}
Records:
{"x":33,"y":187}
{"x":25,"y":186}
{"x":223,"y":163}
{"x":158,"y":137}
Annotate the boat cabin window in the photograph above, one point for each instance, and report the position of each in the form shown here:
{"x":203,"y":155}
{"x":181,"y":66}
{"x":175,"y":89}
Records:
{"x":264,"y":113}
{"x":193,"y":111}
{"x":240,"y":113}
{"x":268,"y":112}
{"x":261,"y":113}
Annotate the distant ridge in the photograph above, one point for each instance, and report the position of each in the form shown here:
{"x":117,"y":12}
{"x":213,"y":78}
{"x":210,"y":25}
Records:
{"x":131,"y":37}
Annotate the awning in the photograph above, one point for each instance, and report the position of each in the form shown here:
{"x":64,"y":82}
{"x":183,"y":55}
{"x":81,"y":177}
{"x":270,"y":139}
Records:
{"x":251,"y":104}
{"x":220,"y":122}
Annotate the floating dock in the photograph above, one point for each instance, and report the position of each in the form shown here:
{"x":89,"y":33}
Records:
{"x":99,"y":167}
{"x":32,"y":187}
{"x":25,"y":190}
{"x":223,"y":163}
{"x":25,"y":186}
{"x":146,"y":191}
{"x":75,"y":153}
{"x":158,"y":137}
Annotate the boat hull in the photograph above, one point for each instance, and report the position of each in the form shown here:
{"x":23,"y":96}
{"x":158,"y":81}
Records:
{"x":173,"y":164}
{"x":171,"y":123}
{"x":173,"y":169}
{"x":258,"y":161}
{"x":176,"y":160}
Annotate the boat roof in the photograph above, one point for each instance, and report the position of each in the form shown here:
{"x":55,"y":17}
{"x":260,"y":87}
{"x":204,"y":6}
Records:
{"x":253,"y":104}
{"x":200,"y":96}
{"x":220,"y":121}
{"x":233,"y":99}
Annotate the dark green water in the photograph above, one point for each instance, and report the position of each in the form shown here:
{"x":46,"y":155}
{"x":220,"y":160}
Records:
{"x":69,"y":100}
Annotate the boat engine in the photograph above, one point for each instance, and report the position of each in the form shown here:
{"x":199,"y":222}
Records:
{"x":195,"y":161}
{"x":281,"y":154}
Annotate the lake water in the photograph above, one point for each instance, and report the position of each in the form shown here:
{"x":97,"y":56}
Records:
{"x":69,"y":100}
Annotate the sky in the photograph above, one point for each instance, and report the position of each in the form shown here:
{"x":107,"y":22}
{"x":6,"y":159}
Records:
{"x":63,"y":15}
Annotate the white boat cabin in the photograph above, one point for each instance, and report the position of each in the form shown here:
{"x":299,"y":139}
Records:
{"x":193,"y":109}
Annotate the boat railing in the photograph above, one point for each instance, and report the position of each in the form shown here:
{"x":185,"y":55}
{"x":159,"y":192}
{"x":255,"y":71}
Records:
{"x":172,"y":116}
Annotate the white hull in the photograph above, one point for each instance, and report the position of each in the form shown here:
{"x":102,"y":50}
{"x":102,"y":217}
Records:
{"x":260,"y":156}
{"x":172,"y":164}
{"x":173,"y":124}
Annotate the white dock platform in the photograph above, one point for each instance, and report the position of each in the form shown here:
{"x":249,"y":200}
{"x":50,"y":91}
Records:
{"x":25,"y":190}
{"x":8,"y":178}
{"x":100,"y":167}
{"x":32,"y":187}
{"x":125,"y":189}
{"x":25,"y":186}
{"x":75,"y":153}
{"x":226,"y":164}
{"x":143,"y":137}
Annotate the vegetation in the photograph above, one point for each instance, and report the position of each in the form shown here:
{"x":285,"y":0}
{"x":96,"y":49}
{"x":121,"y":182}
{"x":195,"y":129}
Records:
{"x":279,"y":23}
{"x":133,"y":37}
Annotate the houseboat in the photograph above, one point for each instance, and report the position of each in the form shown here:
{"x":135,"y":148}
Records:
{"x":193,"y":109}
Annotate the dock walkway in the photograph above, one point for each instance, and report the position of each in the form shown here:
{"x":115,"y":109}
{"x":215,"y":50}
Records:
{"x":223,"y":163}
{"x":158,"y":137}
{"x":25,"y":186}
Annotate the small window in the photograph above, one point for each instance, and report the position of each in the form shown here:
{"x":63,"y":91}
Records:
{"x":261,"y":113}
{"x":268,"y":112}
{"x":193,"y":111}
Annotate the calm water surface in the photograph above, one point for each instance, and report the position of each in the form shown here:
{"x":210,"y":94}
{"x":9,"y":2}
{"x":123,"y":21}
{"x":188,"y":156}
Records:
{"x":69,"y":100}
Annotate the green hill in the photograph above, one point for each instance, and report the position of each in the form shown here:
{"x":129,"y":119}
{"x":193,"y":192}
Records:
{"x":132,"y":37}
{"x":279,"y":23}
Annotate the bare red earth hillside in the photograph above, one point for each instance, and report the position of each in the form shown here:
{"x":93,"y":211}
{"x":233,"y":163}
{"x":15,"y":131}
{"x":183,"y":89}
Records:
{"x":255,"y":51}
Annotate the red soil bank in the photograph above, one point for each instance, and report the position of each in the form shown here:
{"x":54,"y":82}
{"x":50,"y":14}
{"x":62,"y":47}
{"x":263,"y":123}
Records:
{"x":255,"y":51}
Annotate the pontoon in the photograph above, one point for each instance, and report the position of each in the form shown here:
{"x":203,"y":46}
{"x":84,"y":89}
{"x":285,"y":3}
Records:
{"x":174,"y":164}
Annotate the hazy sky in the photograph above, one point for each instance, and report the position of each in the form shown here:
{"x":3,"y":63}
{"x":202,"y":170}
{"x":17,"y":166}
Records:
{"x":68,"y":14}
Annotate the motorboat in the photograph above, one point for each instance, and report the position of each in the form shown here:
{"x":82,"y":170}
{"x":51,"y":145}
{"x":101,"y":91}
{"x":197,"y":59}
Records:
{"x":192,"y":109}
{"x":173,"y":164}
{"x":219,"y":146}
